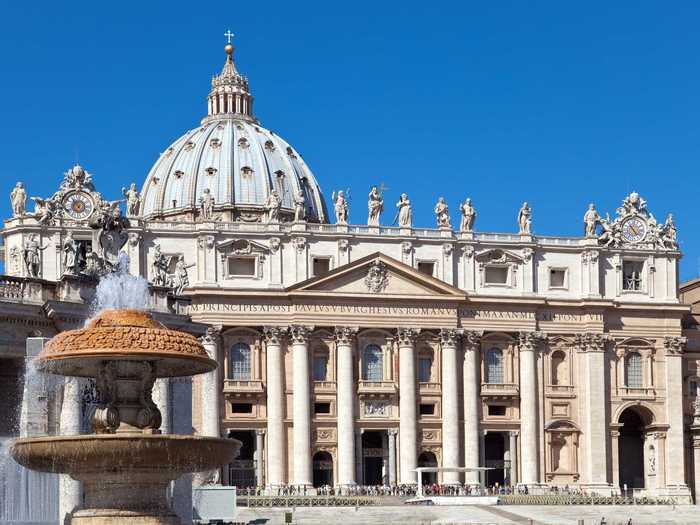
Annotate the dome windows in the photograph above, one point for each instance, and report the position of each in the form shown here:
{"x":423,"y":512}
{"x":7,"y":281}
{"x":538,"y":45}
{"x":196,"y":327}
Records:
{"x":178,"y":174}
{"x":215,"y":143}
{"x":189,"y":145}
{"x":280,"y":174}
{"x":210,"y":171}
{"x":246,"y":171}
{"x":270,"y":146}
{"x":243,"y":143}
{"x":168,"y":152}
{"x":290,"y":152}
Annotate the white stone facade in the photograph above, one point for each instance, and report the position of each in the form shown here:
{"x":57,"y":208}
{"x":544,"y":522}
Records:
{"x":353,"y":354}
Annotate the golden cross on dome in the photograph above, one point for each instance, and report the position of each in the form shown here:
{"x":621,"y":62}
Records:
{"x":228,"y":35}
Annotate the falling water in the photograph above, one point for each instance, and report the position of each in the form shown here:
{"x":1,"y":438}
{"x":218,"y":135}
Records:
{"x":120,"y":289}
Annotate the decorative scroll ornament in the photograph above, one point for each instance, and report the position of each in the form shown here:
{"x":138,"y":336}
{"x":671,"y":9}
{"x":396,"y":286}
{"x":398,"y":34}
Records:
{"x":450,"y":337}
{"x":300,"y":334}
{"x":529,"y":341}
{"x":345,"y":335}
{"x":591,"y":342}
{"x":274,"y":334}
{"x":633,"y":227}
{"x":377,"y":277}
{"x":376,"y":408}
{"x":471,"y":339}
{"x":675,"y":345}
{"x":407,"y":336}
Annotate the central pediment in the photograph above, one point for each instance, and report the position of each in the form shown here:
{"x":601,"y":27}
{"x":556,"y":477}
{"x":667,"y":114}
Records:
{"x":377,"y":275}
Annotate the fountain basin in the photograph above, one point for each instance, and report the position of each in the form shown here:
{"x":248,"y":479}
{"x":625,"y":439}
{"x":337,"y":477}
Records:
{"x":113,"y":453}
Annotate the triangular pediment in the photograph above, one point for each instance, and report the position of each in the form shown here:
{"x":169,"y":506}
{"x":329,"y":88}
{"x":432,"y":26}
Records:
{"x":377,"y":275}
{"x":241,"y":247}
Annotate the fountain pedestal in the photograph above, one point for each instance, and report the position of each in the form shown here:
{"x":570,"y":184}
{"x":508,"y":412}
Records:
{"x":127,"y":466}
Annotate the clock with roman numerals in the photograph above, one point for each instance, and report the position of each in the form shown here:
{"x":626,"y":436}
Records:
{"x":78,"y":205}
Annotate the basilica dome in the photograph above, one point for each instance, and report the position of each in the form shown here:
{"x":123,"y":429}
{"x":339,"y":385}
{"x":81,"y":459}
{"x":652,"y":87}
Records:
{"x":232,"y":157}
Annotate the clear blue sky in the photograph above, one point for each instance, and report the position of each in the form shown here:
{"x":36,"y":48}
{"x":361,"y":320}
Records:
{"x":550,"y":102}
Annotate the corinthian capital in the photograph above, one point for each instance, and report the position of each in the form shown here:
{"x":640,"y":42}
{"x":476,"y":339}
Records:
{"x":345,"y":335}
{"x":471,"y":340}
{"x":300,"y":334}
{"x":675,"y":345}
{"x":592,"y":342}
{"x":450,"y":336}
{"x":407,"y":336}
{"x":274,"y":334}
{"x":530,"y":341}
{"x":212,"y":336}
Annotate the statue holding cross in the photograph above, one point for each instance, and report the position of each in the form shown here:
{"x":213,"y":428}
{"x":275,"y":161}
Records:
{"x":375,"y":205}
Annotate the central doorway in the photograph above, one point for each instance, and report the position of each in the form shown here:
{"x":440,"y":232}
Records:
{"x":428,"y":459}
{"x":373,"y":456}
{"x":323,"y":469}
{"x":631,"y":449}
{"x":241,"y":471}
{"x":494,"y":451}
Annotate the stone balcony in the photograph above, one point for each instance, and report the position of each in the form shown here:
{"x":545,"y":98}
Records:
{"x":429,"y":388}
{"x":324,"y":386}
{"x":626,"y":392}
{"x":560,"y":391}
{"x":376,"y":388}
{"x":243,"y":387}
{"x":499,"y":390}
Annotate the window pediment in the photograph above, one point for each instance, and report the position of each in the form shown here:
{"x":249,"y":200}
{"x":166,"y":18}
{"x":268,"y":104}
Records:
{"x":498,"y":256}
{"x":242,"y":247}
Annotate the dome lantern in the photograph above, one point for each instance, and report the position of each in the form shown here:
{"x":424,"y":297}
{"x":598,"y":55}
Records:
{"x":229,"y":93}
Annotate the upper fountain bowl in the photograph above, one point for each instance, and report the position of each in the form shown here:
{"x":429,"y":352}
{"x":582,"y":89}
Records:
{"x":130,"y":335}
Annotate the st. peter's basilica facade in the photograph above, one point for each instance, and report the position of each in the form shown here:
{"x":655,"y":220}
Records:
{"x":353,"y":353}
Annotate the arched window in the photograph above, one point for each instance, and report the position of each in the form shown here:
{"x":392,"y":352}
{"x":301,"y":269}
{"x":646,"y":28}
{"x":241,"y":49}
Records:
{"x":559,"y":368}
{"x":494,"y":366}
{"x":633,"y":370}
{"x":425,"y":366}
{"x":372,"y":363}
{"x":239,"y":362}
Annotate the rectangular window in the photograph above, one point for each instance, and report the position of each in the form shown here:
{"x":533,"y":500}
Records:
{"x":496,"y":275}
{"x":321,"y":266}
{"x":424,"y":366}
{"x":320,"y":367}
{"x":557,"y":278}
{"x":426,"y":267}
{"x":322,"y":408}
{"x":242,"y":408}
{"x":427,"y":409}
{"x":632,"y":275}
{"x":693,"y":388}
{"x":241,"y":266}
{"x":497,"y":410}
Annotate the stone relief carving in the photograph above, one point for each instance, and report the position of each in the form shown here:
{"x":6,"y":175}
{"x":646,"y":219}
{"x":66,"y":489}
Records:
{"x":377,"y":277}
{"x":32,"y":256}
{"x":525,"y":219}
{"x":299,"y":243}
{"x":468,"y":216}
{"x":447,"y":249}
{"x":112,"y":233}
{"x":208,"y":242}
{"x":442,"y":213}
{"x":675,"y":345}
{"x":274,"y":244}
{"x":133,"y":200}
{"x":325,"y":434}
{"x":18,"y":200}
{"x":405,"y":213}
{"x":376,"y":408}
{"x":343,"y":245}
{"x":375,"y":206}
{"x":134,"y":239}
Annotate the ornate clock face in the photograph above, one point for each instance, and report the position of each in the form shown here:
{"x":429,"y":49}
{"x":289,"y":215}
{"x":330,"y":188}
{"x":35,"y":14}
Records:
{"x":634,"y":229}
{"x":78,"y":205}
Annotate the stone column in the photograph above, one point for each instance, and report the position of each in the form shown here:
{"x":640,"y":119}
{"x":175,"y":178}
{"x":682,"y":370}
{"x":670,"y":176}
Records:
{"x":471,"y":384}
{"x":259,"y":455}
{"x":344,"y":339}
{"x":675,"y":457}
{"x":211,"y":389}
{"x":449,"y":340}
{"x":513,"y":449}
{"x":529,"y":422}
{"x":392,"y":456}
{"x":695,"y":435}
{"x":301,"y":428}
{"x":70,"y":490}
{"x":276,"y":435}
{"x":594,"y":418}
{"x":408,"y":442}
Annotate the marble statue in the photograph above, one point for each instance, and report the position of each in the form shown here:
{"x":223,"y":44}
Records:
{"x":273,"y":203}
{"x":525,"y":219}
{"x":160,"y":267}
{"x":442,"y":213}
{"x":375,"y":206}
{"x":468,"y":216}
{"x":70,"y":255}
{"x":18,"y":198}
{"x":591,"y":219}
{"x":32,"y":256}
{"x":299,"y":206}
{"x":133,"y":199}
{"x":405,"y":213}
{"x":44,"y":210}
{"x":181,"y":279}
{"x":206,"y":205}
{"x":341,"y":206}
{"x":77,"y":177}
{"x":670,"y":232}
{"x":113,"y":235}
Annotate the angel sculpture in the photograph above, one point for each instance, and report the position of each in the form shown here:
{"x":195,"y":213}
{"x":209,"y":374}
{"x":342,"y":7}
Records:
{"x":44,"y":210}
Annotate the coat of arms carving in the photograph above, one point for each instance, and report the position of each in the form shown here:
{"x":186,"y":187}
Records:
{"x":377,"y":277}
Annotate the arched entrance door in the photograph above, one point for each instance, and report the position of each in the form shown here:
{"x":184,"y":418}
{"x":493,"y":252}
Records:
{"x":631,"y":449}
{"x":428,"y":459}
{"x":323,"y":469}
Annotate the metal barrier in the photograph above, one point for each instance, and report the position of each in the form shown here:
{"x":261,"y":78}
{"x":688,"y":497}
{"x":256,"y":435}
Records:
{"x":581,"y":499}
{"x":307,"y":501}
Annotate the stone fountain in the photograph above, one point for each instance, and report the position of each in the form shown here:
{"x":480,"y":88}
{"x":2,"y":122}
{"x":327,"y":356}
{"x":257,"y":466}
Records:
{"x":127,"y":464}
